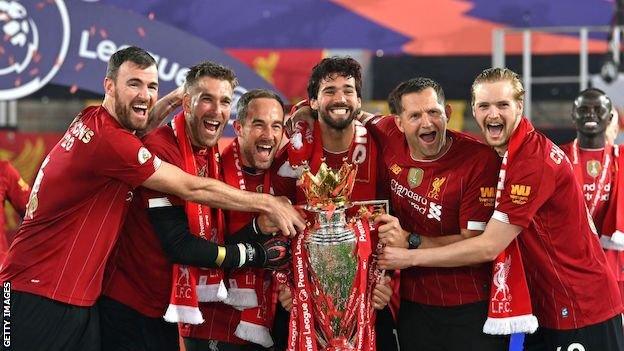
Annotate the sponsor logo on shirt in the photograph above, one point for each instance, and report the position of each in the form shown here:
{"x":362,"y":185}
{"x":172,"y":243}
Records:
{"x":414,"y":177}
{"x":520,"y":193}
{"x":488,"y":195}
{"x":396,"y":169}
{"x":434,"y":193}
{"x":435,"y":211}
{"x":144,"y":155}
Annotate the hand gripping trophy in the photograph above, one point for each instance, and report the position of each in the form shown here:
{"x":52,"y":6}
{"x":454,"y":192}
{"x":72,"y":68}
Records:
{"x":333,"y":275}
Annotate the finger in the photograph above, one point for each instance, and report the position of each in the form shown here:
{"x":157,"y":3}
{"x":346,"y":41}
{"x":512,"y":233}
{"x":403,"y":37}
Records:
{"x":382,"y":218}
{"x":378,"y":304}
{"x":384,"y":228}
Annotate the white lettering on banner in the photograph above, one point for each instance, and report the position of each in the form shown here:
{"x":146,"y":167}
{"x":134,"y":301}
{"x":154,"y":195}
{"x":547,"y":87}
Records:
{"x":104,"y":49}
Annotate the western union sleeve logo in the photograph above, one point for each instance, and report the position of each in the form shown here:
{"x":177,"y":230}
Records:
{"x":488,"y":195}
{"x":520,"y":194}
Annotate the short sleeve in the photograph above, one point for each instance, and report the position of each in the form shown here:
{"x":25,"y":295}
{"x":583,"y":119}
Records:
{"x":477,"y":202}
{"x":121,"y":155}
{"x":528,"y":185}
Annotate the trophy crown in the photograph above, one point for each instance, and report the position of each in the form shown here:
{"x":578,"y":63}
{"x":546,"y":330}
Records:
{"x":328,"y":188}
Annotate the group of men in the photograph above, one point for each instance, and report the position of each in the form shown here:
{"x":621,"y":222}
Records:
{"x":97,"y":267}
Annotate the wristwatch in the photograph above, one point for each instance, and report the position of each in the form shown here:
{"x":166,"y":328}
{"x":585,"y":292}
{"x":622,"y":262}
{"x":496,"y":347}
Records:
{"x":413,"y":241}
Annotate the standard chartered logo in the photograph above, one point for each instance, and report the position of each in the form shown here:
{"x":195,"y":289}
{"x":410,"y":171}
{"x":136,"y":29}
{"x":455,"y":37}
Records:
{"x":435,"y":211}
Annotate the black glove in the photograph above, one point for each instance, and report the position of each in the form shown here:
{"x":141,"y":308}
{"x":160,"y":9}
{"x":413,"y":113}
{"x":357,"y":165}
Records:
{"x":273,"y":254}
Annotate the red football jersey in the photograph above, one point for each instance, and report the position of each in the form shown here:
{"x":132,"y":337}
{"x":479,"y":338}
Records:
{"x":138,"y":273}
{"x":566,"y":269}
{"x":368,"y":184}
{"x":15,"y":190}
{"x":590,"y":162}
{"x":78,"y":202}
{"x":440,"y":197}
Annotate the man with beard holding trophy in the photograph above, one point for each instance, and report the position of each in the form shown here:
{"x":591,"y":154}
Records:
{"x":334,"y":91}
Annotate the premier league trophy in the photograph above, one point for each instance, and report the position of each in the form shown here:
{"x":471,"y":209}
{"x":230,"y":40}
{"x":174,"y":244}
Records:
{"x":332,"y":270}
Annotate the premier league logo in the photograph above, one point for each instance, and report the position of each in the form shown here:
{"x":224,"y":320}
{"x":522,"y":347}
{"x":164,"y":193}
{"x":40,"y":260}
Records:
{"x":33,"y":44}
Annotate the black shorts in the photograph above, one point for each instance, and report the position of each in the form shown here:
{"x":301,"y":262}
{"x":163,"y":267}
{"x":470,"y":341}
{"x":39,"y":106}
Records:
{"x":123,"y":328}
{"x":192,"y":344}
{"x":434,"y":328}
{"x":605,"y":336}
{"x":39,"y":323}
{"x":385,"y":330}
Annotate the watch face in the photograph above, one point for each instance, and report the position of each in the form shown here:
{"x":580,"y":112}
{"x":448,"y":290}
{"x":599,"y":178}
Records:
{"x":413,"y":241}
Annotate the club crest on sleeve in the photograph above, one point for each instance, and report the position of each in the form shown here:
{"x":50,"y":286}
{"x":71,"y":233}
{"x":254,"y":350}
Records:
{"x":144,"y":155}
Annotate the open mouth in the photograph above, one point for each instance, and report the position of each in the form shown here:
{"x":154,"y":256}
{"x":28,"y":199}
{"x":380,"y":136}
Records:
{"x":495,"y":129}
{"x":428,"y":137}
{"x":140,"y":109}
{"x":264,"y":150}
{"x":340,"y":111}
{"x":591,"y":124}
{"x":211,"y":125}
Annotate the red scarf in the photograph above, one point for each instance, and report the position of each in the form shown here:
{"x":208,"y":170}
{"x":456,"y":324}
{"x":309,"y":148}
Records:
{"x":247,"y":290}
{"x":191,"y":284}
{"x":510,"y":302}
{"x":612,"y":236}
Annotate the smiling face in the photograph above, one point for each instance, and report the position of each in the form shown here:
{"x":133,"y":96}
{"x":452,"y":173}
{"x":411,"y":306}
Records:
{"x":423,"y":120}
{"x":496,"y":111}
{"x":592,"y":114}
{"x":260,"y":133}
{"x":134,"y":91}
{"x":337,"y":101}
{"x":207,"y":105}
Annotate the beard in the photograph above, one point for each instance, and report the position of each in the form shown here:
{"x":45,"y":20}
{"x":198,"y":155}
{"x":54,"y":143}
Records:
{"x":338,"y":124}
{"x":124,"y":113}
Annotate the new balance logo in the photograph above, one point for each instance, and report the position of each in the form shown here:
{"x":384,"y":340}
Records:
{"x":435,"y":211}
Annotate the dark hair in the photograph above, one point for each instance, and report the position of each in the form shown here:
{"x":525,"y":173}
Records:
{"x":414,"y":85}
{"x":134,"y":54}
{"x":342,"y":66}
{"x":245,"y":100}
{"x":212,"y":70}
